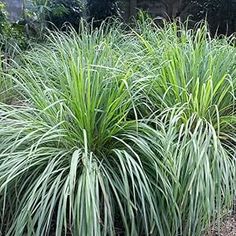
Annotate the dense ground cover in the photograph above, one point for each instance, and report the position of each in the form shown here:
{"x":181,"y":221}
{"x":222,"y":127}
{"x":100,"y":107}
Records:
{"x":129,"y":132}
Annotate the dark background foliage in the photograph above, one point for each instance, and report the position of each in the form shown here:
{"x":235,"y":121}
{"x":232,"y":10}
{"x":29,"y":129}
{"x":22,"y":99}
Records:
{"x":61,"y":11}
{"x":41,"y":14}
{"x":99,"y":10}
{"x":221,"y":14}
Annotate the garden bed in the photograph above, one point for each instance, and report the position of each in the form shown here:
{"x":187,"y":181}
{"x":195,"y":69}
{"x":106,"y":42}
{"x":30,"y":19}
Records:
{"x":228,"y":226}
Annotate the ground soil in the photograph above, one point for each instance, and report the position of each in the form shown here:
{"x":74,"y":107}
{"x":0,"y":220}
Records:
{"x":227,"y":227}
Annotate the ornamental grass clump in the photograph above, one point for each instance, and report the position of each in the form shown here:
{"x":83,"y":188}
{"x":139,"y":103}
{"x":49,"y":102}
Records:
{"x":69,"y":161}
{"x":189,"y":71}
{"x":114,"y":137}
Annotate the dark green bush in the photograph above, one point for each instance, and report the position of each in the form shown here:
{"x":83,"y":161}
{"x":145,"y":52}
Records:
{"x":100,"y":10}
{"x":64,"y":11}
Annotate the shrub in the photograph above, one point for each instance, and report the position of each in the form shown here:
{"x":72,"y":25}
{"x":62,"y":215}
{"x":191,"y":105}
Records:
{"x":99,"y":11}
{"x":114,"y":136}
{"x":61,"y":11}
{"x":12,"y":35}
{"x":3,"y":18}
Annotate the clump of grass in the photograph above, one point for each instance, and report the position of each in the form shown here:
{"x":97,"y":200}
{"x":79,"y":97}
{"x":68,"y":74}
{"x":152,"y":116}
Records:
{"x":187,"y":70}
{"x":191,"y":69}
{"x":115,"y":136}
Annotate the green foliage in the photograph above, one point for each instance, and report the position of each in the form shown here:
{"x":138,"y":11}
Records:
{"x":220,"y":14}
{"x":115,"y":137}
{"x":69,"y":11}
{"x":6,"y":84}
{"x":100,"y":10}
{"x":2,"y":80}
{"x":3,"y":19}
{"x":12,"y":35}
{"x":54,"y":13}
{"x":189,"y":71}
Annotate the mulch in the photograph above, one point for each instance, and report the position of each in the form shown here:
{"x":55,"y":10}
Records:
{"x":227,"y":227}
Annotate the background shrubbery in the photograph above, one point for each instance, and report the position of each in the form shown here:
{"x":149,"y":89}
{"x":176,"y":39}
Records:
{"x":39,"y":15}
